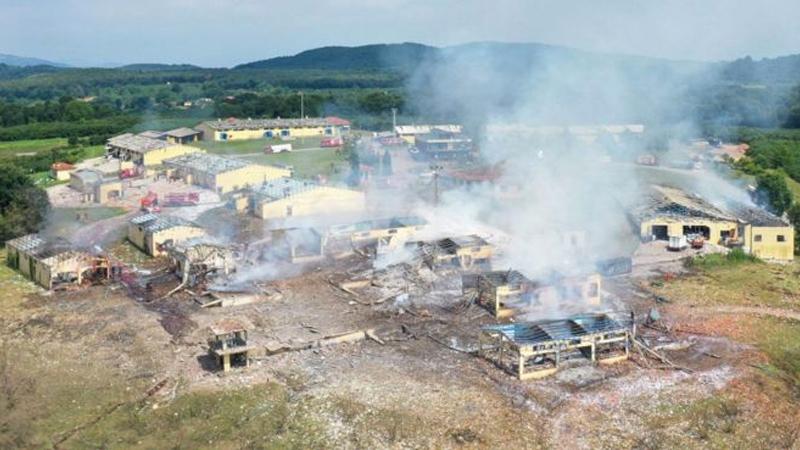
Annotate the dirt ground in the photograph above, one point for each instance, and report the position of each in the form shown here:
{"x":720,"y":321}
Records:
{"x":98,"y":369}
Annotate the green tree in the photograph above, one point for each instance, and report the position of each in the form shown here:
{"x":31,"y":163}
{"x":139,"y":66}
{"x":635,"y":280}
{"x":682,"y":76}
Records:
{"x":794,"y":218}
{"x":773,"y":192}
{"x":23,"y":205}
{"x":76,"y":110}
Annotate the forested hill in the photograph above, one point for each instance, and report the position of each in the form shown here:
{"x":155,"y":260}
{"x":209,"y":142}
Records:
{"x":365,"y":57}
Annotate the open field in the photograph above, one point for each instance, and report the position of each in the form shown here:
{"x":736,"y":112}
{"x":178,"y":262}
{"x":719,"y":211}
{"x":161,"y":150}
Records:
{"x":10,"y":149}
{"x":308,"y":163}
{"x":255,"y":145}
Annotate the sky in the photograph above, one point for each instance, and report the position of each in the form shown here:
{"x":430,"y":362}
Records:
{"x":222,"y":33}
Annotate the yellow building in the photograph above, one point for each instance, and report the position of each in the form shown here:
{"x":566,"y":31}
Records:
{"x":369,"y":231}
{"x":182,"y":136}
{"x":221,"y":174}
{"x":51,"y":264}
{"x":287,"y":197}
{"x":145,"y":151}
{"x":149,"y":232}
{"x":60,"y":171}
{"x":464,"y":252}
{"x":240,"y":129}
{"x":672,"y":212}
{"x":94,"y":186}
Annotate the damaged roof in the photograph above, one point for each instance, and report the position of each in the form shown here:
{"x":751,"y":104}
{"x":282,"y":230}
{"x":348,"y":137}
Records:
{"x":154,"y":222}
{"x":46,"y":250}
{"x":182,"y":132}
{"x":230,"y":325}
{"x":257,"y":124}
{"x":206,"y":162}
{"x":137,"y":143}
{"x":530,"y":333}
{"x":454,"y":243}
{"x":501,"y":277}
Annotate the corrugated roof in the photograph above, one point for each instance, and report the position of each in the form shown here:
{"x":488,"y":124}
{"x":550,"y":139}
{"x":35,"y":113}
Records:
{"x":283,"y":187}
{"x":182,"y":132}
{"x":139,"y":144}
{"x":154,"y":222}
{"x":207,"y":162}
{"x":255,"y":124}
{"x":424,"y":129}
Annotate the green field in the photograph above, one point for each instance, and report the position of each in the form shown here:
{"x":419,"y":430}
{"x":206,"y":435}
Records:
{"x":309,"y":163}
{"x":10,"y":149}
{"x":255,"y":145}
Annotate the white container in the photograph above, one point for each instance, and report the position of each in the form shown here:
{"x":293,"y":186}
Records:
{"x":677,"y":243}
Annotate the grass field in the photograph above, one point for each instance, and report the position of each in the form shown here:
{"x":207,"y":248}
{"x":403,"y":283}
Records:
{"x":10,"y":149}
{"x":308,"y":164}
{"x":255,"y":145}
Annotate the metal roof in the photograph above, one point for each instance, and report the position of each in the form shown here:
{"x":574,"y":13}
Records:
{"x":154,"y":222}
{"x":182,"y":132}
{"x":283,"y":187}
{"x":26,"y":243}
{"x":424,"y":129}
{"x":255,"y":124}
{"x":139,"y":144}
{"x":207,"y":162}
{"x":527,"y":333}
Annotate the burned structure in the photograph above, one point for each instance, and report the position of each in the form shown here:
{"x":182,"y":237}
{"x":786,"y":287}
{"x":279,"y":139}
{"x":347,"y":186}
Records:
{"x":54,"y":263}
{"x":149,"y":232}
{"x":671,"y":213}
{"x":228,"y":345}
{"x":441,"y":145}
{"x":530,"y":350}
{"x":383,"y":233}
{"x":301,"y":245}
{"x":95,"y":186}
{"x":503,"y":291}
{"x":463,"y":252}
{"x":144,"y":151}
{"x":195,"y":261}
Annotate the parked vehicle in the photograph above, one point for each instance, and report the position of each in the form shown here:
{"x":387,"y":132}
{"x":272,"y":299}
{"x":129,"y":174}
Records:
{"x":277,"y":148}
{"x":330,"y":142}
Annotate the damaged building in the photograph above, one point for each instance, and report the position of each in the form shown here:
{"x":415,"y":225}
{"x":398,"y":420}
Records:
{"x":532,"y":350}
{"x":442,"y":145}
{"x":463,"y":252}
{"x":672,"y":212}
{"x":95,"y":186}
{"x":54,"y":263}
{"x":301,"y":245}
{"x":502,"y":292}
{"x":145,"y":151}
{"x":409,"y":133}
{"x":220,"y":174}
{"x":149,"y":232}
{"x":229,"y":343}
{"x":385,"y":233}
{"x":288,"y":197}
{"x":195,"y":261}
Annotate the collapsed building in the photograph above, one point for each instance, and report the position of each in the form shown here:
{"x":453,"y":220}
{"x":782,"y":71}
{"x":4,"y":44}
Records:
{"x":442,"y":145}
{"x":287,"y":197}
{"x":672,"y":212}
{"x":195,"y":261}
{"x":503,"y":291}
{"x":301,"y":245}
{"x":385,"y":233}
{"x":144,"y":151}
{"x":229,"y":345}
{"x":531,"y":350}
{"x":150,"y":232}
{"x":463,"y":252}
{"x":239,"y":129}
{"x":95,"y":186}
{"x":54,"y":263}
{"x":220,"y":174}
{"x":409,"y":133}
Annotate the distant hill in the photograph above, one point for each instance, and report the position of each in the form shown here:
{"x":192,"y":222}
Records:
{"x":23,"y":61}
{"x":365,"y":57}
{"x":151,"y":67}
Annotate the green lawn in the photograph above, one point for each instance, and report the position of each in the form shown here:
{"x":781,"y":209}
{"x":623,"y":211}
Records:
{"x":9,"y":149}
{"x":255,"y":145}
{"x":308,"y":164}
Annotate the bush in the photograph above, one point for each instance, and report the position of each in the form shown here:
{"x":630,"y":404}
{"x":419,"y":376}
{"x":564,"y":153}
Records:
{"x":734,"y":257}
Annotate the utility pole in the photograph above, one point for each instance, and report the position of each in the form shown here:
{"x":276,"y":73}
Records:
{"x":436,"y":168}
{"x":302,"y":106}
{"x":394,"y":119}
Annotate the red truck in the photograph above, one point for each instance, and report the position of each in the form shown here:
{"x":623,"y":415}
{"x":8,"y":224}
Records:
{"x":330,"y":142}
{"x":181,"y":199}
{"x":149,"y":202}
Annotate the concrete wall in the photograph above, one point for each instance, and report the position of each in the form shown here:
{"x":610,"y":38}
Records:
{"x":323,"y":200}
{"x":675,"y":227}
{"x":252,"y":175}
{"x":259,"y":133}
{"x":768,"y":246}
{"x":157,"y":157}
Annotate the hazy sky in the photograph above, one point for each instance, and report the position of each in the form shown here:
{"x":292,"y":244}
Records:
{"x":229,"y":32}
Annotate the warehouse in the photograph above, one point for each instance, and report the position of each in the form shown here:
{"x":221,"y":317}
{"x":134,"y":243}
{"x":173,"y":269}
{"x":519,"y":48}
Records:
{"x":463,"y":252}
{"x":149,"y":232}
{"x":144,"y":151}
{"x":673,"y":212}
{"x":50,"y":263}
{"x":532,"y":350}
{"x":288,"y":197}
{"x":505,"y":291}
{"x":409,"y":133}
{"x":94,"y":186}
{"x":371,"y":231}
{"x":222,"y":175}
{"x":240,"y":129}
